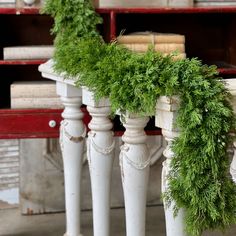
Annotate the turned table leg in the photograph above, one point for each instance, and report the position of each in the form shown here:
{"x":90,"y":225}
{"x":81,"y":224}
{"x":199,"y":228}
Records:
{"x":100,"y":152}
{"x":135,"y":166}
{"x":72,"y":134}
{"x":166,"y":113}
{"x":233,"y":164}
{"x":174,"y":225}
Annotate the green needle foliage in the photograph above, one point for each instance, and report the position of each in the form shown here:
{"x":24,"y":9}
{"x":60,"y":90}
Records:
{"x":199,"y":181}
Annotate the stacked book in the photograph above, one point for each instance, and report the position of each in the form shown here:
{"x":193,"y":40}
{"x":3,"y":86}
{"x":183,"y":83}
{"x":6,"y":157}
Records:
{"x":130,"y":3}
{"x":34,"y":94}
{"x":6,"y":2}
{"x":164,"y":43}
{"x":203,"y":3}
{"x":142,"y":3}
{"x":28,"y":52}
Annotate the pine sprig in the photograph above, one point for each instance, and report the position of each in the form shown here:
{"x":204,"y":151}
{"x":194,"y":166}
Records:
{"x":199,"y":181}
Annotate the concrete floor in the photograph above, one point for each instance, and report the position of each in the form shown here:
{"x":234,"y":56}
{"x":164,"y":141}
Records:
{"x":13,"y":224}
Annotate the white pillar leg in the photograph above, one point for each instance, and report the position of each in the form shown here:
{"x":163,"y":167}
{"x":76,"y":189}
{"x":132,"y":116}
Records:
{"x":165,"y":117}
{"x":233,"y":165}
{"x":135,"y":165}
{"x":100,"y":150}
{"x":100,"y":146}
{"x":72,"y":134}
{"x":174,"y":225}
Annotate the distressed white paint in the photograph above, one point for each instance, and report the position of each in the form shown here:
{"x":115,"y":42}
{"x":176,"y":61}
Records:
{"x":233,"y":164}
{"x":72,"y":143}
{"x":89,"y":100}
{"x":100,"y":153}
{"x":174,"y":225}
{"x":166,"y":113}
{"x":72,"y":134}
{"x":231,"y":85}
{"x":135,"y":166}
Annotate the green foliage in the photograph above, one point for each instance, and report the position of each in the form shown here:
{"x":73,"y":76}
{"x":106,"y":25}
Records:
{"x":199,"y":181}
{"x":73,"y":18}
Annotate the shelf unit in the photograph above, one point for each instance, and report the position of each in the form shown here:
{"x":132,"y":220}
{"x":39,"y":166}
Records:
{"x":21,"y":62}
{"x":210,"y":35}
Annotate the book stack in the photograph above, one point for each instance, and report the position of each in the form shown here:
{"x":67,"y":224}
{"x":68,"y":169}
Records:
{"x":203,"y":3}
{"x":34,"y":94}
{"x":164,"y":43}
{"x":7,"y":3}
{"x":28,"y":52}
{"x":142,"y":3}
{"x":29,"y":3}
{"x":130,"y":3}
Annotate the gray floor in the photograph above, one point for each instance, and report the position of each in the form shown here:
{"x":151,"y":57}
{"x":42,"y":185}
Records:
{"x":13,"y":224}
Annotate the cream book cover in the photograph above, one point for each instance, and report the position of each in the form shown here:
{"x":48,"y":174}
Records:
{"x":28,"y":52}
{"x":33,"y":89}
{"x":151,"y":37}
{"x":21,"y":103}
{"x":130,"y":3}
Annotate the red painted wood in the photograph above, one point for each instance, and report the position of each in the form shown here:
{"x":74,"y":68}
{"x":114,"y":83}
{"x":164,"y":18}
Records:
{"x":222,"y":71}
{"x":112,"y":25}
{"x":160,"y":10}
{"x":166,"y":10}
{"x":32,"y":123}
{"x":227,"y":71}
{"x":6,"y":10}
{"x":21,"y":62}
{"x":19,"y":11}
{"x":28,"y":10}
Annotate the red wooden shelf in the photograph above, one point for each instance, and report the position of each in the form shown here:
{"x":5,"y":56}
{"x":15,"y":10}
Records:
{"x":227,"y":71}
{"x":22,"y":62}
{"x":32,"y":123}
{"x":165,"y":10}
{"x":160,"y":10}
{"x":113,"y":12}
{"x":29,"y":123}
{"x":222,"y":71}
{"x":18,"y":11}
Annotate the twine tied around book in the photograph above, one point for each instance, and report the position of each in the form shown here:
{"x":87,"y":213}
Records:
{"x":152,"y":39}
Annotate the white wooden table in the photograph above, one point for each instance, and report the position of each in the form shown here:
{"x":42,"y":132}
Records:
{"x":134,"y":158}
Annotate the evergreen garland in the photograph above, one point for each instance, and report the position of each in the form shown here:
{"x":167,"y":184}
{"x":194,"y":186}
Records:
{"x":199,"y":181}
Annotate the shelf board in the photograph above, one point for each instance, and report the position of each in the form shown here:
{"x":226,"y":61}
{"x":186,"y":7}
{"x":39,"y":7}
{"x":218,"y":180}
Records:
{"x":222,"y":71}
{"x":33,"y":123}
{"x":168,"y":10}
{"x":19,"y":11}
{"x":227,"y":71}
{"x":22,"y":62}
{"x":161,"y":10}
{"x":29,"y":123}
